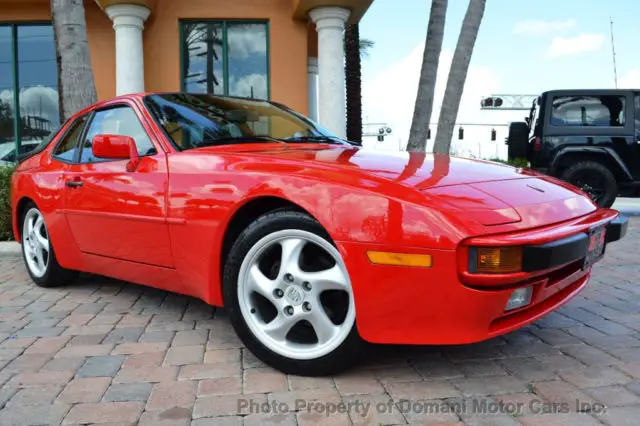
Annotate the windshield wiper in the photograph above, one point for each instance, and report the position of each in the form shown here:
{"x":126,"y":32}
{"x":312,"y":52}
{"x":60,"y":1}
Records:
{"x":238,"y":139}
{"x":314,"y":139}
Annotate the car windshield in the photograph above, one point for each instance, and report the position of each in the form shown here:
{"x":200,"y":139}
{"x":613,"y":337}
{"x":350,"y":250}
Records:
{"x":197,"y":120}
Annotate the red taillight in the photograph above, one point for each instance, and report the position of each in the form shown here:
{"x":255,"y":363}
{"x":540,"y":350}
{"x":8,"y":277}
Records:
{"x":537,"y":144}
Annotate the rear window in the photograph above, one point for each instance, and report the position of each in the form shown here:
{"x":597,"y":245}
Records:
{"x":592,"y":110}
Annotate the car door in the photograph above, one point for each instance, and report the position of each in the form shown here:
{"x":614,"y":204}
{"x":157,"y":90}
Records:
{"x":113,"y":212}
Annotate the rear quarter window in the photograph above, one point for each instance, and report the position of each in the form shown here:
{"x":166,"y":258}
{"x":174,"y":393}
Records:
{"x":591,"y":110}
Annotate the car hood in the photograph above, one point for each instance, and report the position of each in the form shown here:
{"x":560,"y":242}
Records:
{"x":413,"y":169}
{"x":491,"y":193}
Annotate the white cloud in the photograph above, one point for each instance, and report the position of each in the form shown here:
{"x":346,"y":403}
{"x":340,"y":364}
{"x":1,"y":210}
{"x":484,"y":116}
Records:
{"x":389,"y":97}
{"x":631,"y":80}
{"x":538,"y":27}
{"x":566,"y":46}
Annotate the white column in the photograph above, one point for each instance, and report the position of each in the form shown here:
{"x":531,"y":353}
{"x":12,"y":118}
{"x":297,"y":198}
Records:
{"x":330,"y":22}
{"x":128,"y":23}
{"x":313,"y":89}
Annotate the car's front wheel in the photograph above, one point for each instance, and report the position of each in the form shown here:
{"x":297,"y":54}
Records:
{"x":38,"y":253}
{"x":289,"y":296}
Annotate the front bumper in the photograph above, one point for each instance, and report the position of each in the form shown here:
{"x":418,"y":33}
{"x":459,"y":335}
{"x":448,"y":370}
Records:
{"x":441,"y":305}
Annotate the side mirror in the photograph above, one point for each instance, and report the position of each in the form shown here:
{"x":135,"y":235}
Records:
{"x":116,"y":147}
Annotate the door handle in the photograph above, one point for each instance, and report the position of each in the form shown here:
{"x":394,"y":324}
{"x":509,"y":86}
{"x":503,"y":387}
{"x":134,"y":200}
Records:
{"x":73,"y":183}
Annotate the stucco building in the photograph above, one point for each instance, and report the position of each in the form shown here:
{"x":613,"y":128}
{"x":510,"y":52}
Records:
{"x":290,"y":51}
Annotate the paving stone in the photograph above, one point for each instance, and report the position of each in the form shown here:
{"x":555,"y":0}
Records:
{"x":44,"y":414}
{"x":171,"y":394}
{"x":122,"y":335}
{"x":184,"y":355}
{"x":36,"y":395}
{"x":263,"y":380}
{"x":139,"y":348}
{"x":595,"y":377}
{"x":220,"y":386}
{"x":104,"y":412}
{"x":101,"y":366}
{"x":614,"y":396}
{"x":128,"y":392}
{"x":174,"y":416}
{"x":621,"y":416}
{"x":190,"y":338}
{"x":84,"y":390}
{"x":149,"y":374}
{"x":157,"y":336}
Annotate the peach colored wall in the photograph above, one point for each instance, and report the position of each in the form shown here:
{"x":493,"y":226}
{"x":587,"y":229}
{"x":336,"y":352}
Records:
{"x":99,"y":33}
{"x":288,"y":43}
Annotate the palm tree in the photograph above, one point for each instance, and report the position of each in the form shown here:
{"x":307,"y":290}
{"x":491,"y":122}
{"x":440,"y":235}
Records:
{"x":76,"y":87}
{"x":426,"y":87}
{"x":355,"y":48}
{"x":458,"y":75}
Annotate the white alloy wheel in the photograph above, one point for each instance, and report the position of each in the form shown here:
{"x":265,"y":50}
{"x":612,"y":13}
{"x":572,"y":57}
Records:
{"x":295,"y":295}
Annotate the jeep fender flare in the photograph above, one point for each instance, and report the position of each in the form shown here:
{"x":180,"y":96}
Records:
{"x":600,"y":151}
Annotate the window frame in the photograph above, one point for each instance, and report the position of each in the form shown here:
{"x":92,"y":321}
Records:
{"x":67,"y":126}
{"x":553,"y":130}
{"x":87,"y":126}
{"x":15,"y":81}
{"x":225,"y":49}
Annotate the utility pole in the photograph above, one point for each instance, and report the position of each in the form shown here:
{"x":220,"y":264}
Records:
{"x":613,"y":52}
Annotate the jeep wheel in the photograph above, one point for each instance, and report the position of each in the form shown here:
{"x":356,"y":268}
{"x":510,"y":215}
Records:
{"x":595,"y":179}
{"x":518,"y":140}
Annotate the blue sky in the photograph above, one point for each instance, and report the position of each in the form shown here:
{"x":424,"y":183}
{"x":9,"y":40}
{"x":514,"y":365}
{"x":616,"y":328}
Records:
{"x":523,"y":47}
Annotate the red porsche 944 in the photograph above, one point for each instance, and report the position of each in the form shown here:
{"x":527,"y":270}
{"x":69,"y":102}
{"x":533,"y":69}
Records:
{"x":312,"y":245}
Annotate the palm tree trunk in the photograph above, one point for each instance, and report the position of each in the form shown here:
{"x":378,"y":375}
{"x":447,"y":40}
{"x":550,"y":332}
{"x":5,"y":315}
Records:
{"x":458,"y":75}
{"x":76,"y":87}
{"x":426,"y":87}
{"x":353,"y":74}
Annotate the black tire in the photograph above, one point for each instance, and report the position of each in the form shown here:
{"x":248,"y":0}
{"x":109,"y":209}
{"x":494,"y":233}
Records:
{"x":54,"y":275}
{"x":598,"y":177}
{"x":518,"y":140}
{"x":340,"y":358}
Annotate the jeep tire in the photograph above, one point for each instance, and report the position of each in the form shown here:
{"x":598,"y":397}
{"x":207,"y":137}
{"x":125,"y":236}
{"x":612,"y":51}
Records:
{"x":595,"y":179}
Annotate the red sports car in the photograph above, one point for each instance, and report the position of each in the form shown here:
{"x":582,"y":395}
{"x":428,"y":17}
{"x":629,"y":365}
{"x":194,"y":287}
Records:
{"x":312,"y":244}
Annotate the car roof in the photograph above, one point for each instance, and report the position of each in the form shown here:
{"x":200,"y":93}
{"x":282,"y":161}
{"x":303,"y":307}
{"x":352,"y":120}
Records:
{"x":588,"y":91}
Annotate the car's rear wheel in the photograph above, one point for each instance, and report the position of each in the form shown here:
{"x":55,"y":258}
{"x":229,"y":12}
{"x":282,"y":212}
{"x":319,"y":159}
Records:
{"x":595,"y":179}
{"x":37,"y":250}
{"x":289,"y":296}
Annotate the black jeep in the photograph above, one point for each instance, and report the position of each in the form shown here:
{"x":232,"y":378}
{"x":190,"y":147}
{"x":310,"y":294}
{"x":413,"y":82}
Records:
{"x":590,"y":138}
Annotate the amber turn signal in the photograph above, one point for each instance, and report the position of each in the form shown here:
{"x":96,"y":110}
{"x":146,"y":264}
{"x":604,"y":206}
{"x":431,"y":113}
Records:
{"x":399,"y":259}
{"x":498,"y":260}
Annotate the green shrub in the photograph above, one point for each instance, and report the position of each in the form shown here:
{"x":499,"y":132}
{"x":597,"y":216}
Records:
{"x":516,"y":162}
{"x":6,"y":232}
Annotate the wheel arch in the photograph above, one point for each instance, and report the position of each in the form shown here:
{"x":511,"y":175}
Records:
{"x":19,"y":212}
{"x":605,"y":156}
{"x":249,"y":211}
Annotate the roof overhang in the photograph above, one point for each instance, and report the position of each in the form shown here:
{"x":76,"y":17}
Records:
{"x":146,"y":3}
{"x":358,"y":8}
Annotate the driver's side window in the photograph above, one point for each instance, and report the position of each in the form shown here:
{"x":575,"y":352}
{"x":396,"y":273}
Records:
{"x":121,"y":120}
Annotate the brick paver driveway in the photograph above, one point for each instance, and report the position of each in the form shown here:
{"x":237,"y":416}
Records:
{"x":103,"y":351}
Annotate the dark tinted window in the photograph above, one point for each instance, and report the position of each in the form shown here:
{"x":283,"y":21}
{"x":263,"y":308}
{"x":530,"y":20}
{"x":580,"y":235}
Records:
{"x":601,"y":111}
{"x":66,"y":149}
{"x":116,"y":121}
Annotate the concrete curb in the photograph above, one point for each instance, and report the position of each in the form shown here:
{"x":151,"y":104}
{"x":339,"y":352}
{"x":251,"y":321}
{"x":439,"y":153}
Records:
{"x":10,"y":249}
